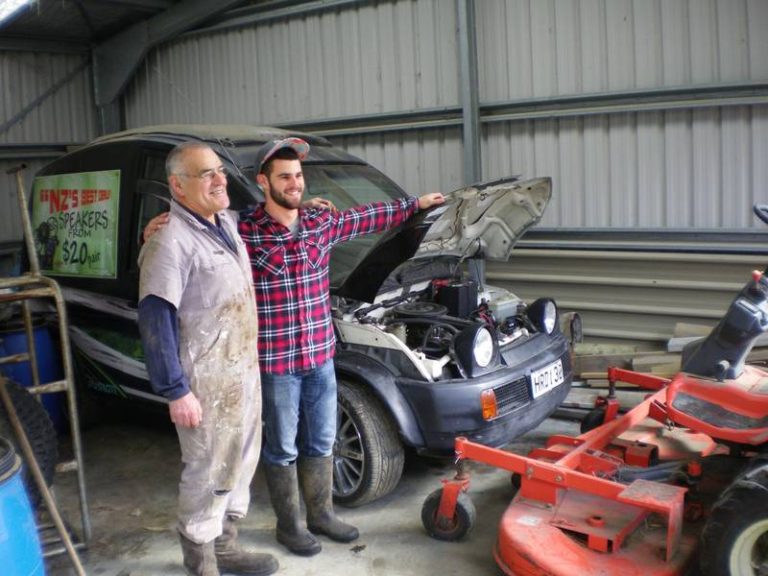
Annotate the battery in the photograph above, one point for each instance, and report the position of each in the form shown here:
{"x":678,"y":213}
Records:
{"x":459,"y":297}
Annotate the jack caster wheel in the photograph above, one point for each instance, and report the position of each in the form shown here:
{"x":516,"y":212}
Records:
{"x":452,"y":529}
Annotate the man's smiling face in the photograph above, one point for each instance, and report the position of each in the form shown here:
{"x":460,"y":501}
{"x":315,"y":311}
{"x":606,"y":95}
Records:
{"x":202,"y":186}
{"x":284,"y":185}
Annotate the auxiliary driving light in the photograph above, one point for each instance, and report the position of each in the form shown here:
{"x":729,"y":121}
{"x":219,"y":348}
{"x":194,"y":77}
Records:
{"x":543,"y":314}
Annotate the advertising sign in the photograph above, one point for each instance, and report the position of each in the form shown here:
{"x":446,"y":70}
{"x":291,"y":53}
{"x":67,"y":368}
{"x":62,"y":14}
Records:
{"x":75,"y":219}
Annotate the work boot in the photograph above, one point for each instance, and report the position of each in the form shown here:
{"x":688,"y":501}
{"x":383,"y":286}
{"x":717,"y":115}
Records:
{"x":316,"y":477}
{"x":199,"y":559}
{"x":284,"y":494}
{"x":233,"y":559}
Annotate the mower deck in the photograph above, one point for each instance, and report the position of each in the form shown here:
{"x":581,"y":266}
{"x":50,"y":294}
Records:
{"x":610,"y":501}
{"x":586,"y":535}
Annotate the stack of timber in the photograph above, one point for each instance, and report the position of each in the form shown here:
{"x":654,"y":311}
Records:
{"x":591,"y":363}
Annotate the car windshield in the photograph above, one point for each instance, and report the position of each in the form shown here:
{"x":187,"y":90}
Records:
{"x":346,"y":186}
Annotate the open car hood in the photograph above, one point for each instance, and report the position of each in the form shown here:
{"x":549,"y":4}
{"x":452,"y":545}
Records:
{"x":485,"y":219}
{"x":481,"y":221}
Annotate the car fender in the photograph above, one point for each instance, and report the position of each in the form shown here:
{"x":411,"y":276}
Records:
{"x":382,"y":383}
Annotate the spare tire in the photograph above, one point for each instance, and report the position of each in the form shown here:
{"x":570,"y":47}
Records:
{"x":40,"y":432}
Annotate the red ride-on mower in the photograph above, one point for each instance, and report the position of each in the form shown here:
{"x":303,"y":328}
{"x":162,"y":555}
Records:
{"x":679,"y":478}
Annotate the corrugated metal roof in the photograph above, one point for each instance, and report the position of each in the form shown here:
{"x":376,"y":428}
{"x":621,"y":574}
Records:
{"x":82,"y":22}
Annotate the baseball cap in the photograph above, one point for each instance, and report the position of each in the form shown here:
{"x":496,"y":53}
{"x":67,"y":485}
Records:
{"x":269,"y":148}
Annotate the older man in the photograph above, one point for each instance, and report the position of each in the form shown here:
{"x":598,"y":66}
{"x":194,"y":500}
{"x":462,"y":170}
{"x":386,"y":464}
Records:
{"x":198,"y":324}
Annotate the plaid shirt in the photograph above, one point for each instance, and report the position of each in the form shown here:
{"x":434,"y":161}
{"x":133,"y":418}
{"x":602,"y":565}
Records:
{"x":290,"y":276}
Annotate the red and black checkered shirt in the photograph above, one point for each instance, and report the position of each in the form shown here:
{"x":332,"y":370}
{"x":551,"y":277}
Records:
{"x":290,"y":276}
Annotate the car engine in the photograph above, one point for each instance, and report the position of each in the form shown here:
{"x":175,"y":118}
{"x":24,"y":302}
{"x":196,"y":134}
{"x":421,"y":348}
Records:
{"x":429,"y":318}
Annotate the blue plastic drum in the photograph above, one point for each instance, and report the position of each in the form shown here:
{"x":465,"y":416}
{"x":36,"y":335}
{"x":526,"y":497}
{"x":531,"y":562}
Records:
{"x":13,"y":340}
{"x":20,"y":553}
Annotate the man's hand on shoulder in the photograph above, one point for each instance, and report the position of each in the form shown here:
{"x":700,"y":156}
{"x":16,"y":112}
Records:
{"x":186,"y":411}
{"x":431,"y":199}
{"x":155,"y":224}
{"x":319,"y":203}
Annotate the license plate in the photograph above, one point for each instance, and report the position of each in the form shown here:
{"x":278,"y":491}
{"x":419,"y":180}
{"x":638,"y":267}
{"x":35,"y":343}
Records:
{"x":551,"y":376}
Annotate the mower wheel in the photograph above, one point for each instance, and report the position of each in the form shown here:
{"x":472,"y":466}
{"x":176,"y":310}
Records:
{"x":735,"y":538}
{"x":449,"y":530}
{"x":592,"y":420}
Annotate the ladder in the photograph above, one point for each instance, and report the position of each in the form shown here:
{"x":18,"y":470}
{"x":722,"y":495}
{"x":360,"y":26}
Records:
{"x":25,"y":289}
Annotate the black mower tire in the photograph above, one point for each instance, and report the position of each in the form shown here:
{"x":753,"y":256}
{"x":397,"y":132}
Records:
{"x":40,"y":432}
{"x":734,"y":541}
{"x":368,"y":454}
{"x":593,"y":419}
{"x":458,"y":527}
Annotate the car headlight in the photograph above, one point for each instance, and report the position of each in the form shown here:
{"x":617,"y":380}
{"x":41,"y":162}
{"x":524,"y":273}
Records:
{"x":483,"y":347}
{"x":543,"y":315}
{"x":476,"y":350}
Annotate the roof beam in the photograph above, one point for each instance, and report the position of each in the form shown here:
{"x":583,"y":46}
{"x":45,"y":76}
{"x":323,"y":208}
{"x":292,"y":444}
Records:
{"x":152,"y":5}
{"x":116,"y":59}
{"x":30,"y":44}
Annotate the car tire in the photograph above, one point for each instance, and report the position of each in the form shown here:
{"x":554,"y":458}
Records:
{"x":735,"y":538}
{"x":40,"y":432}
{"x":368,"y":454}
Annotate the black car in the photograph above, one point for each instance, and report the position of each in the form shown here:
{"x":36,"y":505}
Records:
{"x":426,"y":351}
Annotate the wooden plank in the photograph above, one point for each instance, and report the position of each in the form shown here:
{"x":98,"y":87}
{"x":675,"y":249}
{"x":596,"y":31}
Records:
{"x":601,"y":362}
{"x":585,"y":398}
{"x":686,"y":329}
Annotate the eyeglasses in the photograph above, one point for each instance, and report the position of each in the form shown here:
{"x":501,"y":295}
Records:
{"x":208,"y":175}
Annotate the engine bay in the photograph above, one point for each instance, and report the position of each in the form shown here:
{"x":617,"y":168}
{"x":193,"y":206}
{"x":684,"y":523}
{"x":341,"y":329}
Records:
{"x":428,"y":317}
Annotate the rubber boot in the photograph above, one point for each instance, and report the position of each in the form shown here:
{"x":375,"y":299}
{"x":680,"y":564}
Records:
{"x":199,"y":559}
{"x":233,"y":559}
{"x":316,"y":477}
{"x":284,"y":494}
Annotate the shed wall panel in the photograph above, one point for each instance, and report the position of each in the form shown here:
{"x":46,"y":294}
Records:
{"x":383,"y":57}
{"x":630,"y":168}
{"x":545,"y":48}
{"x":12,"y":229}
{"x":676,"y":169}
{"x":34,"y":110}
{"x":44,"y":98}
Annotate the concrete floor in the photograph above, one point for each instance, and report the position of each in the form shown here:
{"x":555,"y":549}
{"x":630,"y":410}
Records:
{"x":132,"y":471}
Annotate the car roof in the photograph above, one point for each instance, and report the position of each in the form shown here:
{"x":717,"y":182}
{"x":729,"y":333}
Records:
{"x":229,"y":140}
{"x":214,"y":133}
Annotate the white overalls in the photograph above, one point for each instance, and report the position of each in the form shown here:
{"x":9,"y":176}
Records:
{"x":211,"y":287}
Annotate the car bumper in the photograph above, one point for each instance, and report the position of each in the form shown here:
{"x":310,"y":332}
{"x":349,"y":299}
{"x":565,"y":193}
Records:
{"x":451,"y":408}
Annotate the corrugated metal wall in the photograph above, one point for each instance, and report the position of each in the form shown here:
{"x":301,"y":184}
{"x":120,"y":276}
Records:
{"x":543,"y":48}
{"x":692,"y":168}
{"x":382,"y":57}
{"x":46,"y":99}
{"x":634,"y":297}
{"x":684,"y":167}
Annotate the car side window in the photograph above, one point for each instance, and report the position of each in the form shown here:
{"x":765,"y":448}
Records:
{"x":348,"y":186}
{"x":153,"y":197}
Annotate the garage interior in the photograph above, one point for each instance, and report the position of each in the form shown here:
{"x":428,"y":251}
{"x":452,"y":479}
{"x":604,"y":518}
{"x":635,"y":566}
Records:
{"x":650,"y":116}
